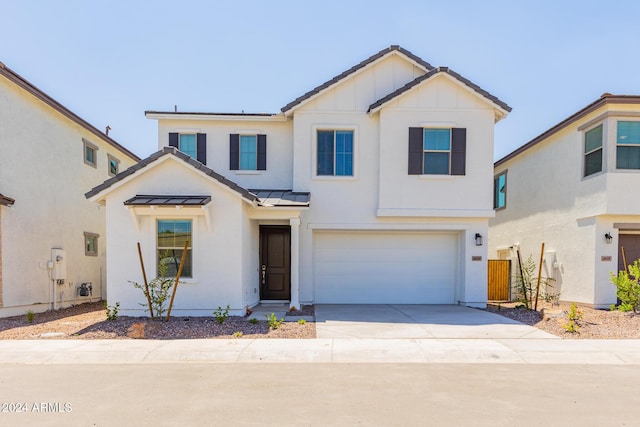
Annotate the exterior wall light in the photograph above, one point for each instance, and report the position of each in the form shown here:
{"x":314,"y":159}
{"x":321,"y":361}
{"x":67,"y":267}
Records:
{"x":478,"y":239}
{"x":608,"y":238}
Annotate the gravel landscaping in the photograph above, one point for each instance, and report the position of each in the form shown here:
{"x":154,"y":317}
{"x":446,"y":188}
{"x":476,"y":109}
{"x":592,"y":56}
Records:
{"x":89,"y":321}
{"x":596,"y":324}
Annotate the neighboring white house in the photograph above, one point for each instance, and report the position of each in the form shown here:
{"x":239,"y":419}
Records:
{"x":573,"y":188}
{"x":374,"y":187}
{"x":52,"y":240}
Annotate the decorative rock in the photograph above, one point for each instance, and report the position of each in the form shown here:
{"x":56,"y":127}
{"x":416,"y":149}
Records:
{"x":549,"y":313}
{"x":136,"y":331}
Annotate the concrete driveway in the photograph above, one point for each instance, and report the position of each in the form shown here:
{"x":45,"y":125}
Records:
{"x":417,"y":321}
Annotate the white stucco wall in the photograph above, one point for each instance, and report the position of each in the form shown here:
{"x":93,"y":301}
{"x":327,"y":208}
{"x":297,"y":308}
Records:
{"x":461,"y":204}
{"x":279,"y":147}
{"x":549,"y":200}
{"x":218,"y":253}
{"x":42,"y":167}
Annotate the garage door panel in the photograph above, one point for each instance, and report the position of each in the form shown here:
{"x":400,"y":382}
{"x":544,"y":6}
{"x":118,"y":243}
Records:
{"x":385,"y":267}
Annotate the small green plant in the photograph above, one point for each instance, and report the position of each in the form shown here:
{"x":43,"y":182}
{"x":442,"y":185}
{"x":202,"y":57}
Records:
{"x":221,"y":314}
{"x":574,"y":315}
{"x":237,"y":334}
{"x":159,"y":289}
{"x":30,"y":316}
{"x":111,"y":311}
{"x":273,"y":321}
{"x":612,"y":307}
{"x":253,"y":321}
{"x":627,"y":284}
{"x":526,"y":285}
{"x":301,"y":321}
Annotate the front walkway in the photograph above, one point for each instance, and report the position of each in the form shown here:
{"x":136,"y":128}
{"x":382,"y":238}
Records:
{"x":419,"y":322}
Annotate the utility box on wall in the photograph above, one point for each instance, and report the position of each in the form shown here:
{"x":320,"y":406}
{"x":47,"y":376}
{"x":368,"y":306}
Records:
{"x":59,"y":259}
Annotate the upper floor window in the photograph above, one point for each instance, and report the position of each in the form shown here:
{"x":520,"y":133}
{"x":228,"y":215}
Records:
{"x":628,"y":145}
{"x":500,"y":191}
{"x":193,"y":145}
{"x":437,"y":151}
{"x":90,"y":153}
{"x":247,"y":152}
{"x":172,"y":235}
{"x":334,"y":153}
{"x":114,"y":165}
{"x":593,"y":151}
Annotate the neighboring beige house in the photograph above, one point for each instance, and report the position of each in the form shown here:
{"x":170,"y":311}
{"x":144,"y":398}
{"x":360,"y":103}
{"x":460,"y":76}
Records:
{"x":574,"y":189}
{"x":52,"y":240}
{"x":374,"y":187}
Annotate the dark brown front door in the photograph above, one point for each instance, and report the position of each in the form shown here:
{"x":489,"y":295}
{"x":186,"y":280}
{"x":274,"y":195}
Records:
{"x":631,"y":245}
{"x":275,"y":262}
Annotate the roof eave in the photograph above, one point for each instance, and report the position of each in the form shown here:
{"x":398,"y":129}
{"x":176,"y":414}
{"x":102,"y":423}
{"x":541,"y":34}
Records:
{"x":605,"y":99}
{"x":29,"y":87}
{"x":353,"y":71}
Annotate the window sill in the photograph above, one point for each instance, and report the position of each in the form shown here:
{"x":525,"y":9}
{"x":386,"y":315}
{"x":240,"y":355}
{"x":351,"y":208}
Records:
{"x":247,"y":172}
{"x":334,"y":178}
{"x":438,"y":177}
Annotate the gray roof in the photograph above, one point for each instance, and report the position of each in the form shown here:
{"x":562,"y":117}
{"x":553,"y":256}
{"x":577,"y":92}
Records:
{"x":23,"y":83}
{"x":430,"y":74}
{"x":195,"y":113}
{"x":282,"y":198}
{"x":160,"y":200}
{"x":352,"y":70}
{"x":6,"y":201}
{"x":179,"y":154}
{"x":605,"y":98}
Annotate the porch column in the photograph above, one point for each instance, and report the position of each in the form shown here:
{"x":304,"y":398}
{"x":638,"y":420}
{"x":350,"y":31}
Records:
{"x":295,"y":262}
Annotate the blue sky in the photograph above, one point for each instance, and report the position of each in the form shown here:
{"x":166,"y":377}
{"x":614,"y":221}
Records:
{"x":109,"y":61}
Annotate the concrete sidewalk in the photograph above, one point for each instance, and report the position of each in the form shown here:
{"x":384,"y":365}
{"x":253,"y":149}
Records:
{"x":489,"y":351}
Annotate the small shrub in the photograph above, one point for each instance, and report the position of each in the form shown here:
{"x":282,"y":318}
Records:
{"x":301,"y":321}
{"x":111,"y":311}
{"x":237,"y":334}
{"x":628,"y":287}
{"x":221,"y":314}
{"x":253,"y":321}
{"x":30,"y":316}
{"x":273,"y":321}
{"x":574,"y":315}
{"x":158,"y":290}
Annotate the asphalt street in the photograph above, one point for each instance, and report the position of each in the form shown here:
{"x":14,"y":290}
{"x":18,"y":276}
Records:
{"x":317,"y":394}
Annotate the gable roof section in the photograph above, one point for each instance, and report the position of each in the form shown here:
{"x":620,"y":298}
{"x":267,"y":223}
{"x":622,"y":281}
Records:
{"x":6,"y":201}
{"x":606,"y":98}
{"x":493,"y":99}
{"x":180,"y":155}
{"x":23,"y":83}
{"x":352,"y":70}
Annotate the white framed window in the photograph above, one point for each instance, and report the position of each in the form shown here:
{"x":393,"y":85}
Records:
{"x":500,"y":191}
{"x":90,"y":153}
{"x":113,"y":164}
{"x":436,"y":151}
{"x":334,"y":153}
{"x":91,"y":244}
{"x":248,"y":152}
{"x":593,"y":150}
{"x":628,"y":145}
{"x":171,"y":235}
{"x":188,"y":144}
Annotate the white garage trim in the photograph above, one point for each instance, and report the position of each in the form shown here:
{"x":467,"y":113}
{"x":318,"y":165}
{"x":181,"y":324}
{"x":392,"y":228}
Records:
{"x":385,"y":267}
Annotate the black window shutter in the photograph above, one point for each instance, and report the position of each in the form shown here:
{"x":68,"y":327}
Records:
{"x":201,"y":149}
{"x":173,"y":140}
{"x":234,"y":151}
{"x":415,"y":151}
{"x":262,"y":152}
{"x":458,"y":151}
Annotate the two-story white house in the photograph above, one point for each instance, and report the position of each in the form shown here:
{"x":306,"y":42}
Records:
{"x":374,"y":187}
{"x":573,"y":189}
{"x":52,"y":240}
